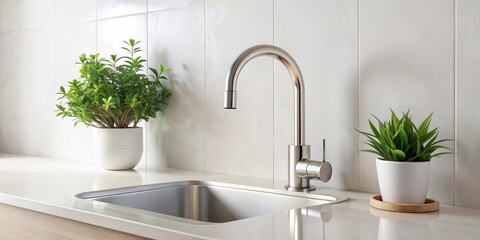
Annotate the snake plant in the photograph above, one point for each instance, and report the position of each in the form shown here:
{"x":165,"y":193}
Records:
{"x":400,"y":140}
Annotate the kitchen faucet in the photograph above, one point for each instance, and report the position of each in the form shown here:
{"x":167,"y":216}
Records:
{"x":300,"y":168}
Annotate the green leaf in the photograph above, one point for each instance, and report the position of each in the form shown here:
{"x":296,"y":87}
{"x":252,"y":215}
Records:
{"x":83,"y":57}
{"x":128,"y":50}
{"x":398,"y":155}
{"x":374,"y":129}
{"x":403,"y":137}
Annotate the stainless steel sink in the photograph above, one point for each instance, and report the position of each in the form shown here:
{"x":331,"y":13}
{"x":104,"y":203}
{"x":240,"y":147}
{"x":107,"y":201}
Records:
{"x":207,"y":201}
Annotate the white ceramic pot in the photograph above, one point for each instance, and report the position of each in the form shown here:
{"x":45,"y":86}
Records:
{"x":118,"y":148}
{"x":403,"y":182}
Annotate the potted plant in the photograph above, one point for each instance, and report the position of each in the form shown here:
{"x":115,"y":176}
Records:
{"x":113,"y":95}
{"x":405,"y":151}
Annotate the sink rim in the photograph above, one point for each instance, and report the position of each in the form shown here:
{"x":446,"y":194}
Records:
{"x":91,"y":196}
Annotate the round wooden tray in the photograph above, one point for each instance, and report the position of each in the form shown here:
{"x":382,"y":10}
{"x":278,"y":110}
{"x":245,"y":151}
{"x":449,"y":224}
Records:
{"x":430,"y":205}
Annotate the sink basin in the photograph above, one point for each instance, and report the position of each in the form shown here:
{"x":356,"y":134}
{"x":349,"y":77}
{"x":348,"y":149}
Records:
{"x":207,"y":202}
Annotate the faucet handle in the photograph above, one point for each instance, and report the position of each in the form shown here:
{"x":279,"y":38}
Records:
{"x":325,"y":171}
{"x":314,"y":169}
{"x":322,"y":170}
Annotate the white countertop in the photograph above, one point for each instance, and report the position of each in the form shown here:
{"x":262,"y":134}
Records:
{"x":49,"y":185}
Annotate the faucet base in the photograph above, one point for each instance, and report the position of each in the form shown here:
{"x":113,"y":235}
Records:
{"x":294,"y":189}
{"x":295,"y":154}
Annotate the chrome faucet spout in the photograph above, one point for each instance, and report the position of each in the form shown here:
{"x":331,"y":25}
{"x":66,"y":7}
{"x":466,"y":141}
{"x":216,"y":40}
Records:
{"x":295,"y":74}
{"x":300,"y":169}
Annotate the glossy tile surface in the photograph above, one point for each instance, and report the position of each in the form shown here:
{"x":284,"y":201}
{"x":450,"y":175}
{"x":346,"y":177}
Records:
{"x":68,"y":11}
{"x":9,"y":15}
{"x":329,"y":68}
{"x":176,"y":137}
{"x":115,"y":8}
{"x":35,"y":88}
{"x":406,"y":62}
{"x":468,"y":137}
{"x":112,"y":32}
{"x":9,"y":82}
{"x":25,"y":14}
{"x":72,"y":142}
{"x":154,"y":5}
{"x":239,"y":141}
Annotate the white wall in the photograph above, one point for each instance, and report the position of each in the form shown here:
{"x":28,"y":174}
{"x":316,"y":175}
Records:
{"x":358,"y":57}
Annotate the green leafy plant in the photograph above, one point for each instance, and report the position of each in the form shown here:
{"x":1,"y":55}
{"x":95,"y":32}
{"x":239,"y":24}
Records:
{"x":114,"y":92}
{"x":400,"y":140}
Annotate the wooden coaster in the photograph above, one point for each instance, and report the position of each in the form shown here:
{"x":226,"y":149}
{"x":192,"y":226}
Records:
{"x":430,"y":205}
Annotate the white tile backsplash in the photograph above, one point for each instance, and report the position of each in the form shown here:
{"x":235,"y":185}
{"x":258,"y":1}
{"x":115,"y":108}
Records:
{"x":35,"y":13}
{"x":25,"y":14}
{"x":112,"y":32}
{"x":9,"y":15}
{"x":176,"y":137}
{"x":70,"y":11}
{"x":357,"y":57}
{"x":468,"y":84}
{"x":406,"y":62}
{"x":154,"y":5}
{"x":9,"y":81}
{"x":239,"y":141}
{"x":35,"y":88}
{"x":329,"y":68}
{"x":115,"y":8}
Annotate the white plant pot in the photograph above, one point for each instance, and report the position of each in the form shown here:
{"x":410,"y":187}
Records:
{"x":403,"y":182}
{"x":118,"y":148}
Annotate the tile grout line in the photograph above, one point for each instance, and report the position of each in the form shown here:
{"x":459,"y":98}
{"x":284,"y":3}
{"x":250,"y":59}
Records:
{"x":273,"y":97}
{"x":145,"y":137}
{"x":274,"y":10}
{"x":147,"y":12}
{"x":96,"y":26}
{"x":359,"y":179}
{"x":26,"y":29}
{"x":17,"y":89}
{"x":53,"y":82}
{"x":105,"y":18}
{"x":111,"y":17}
{"x":145,"y":180}
{"x":96,"y":51}
{"x":455,"y":100}
{"x":205,"y":12}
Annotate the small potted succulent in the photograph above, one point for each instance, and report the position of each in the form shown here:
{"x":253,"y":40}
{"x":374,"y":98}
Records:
{"x":113,"y":95}
{"x":405,"y":151}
